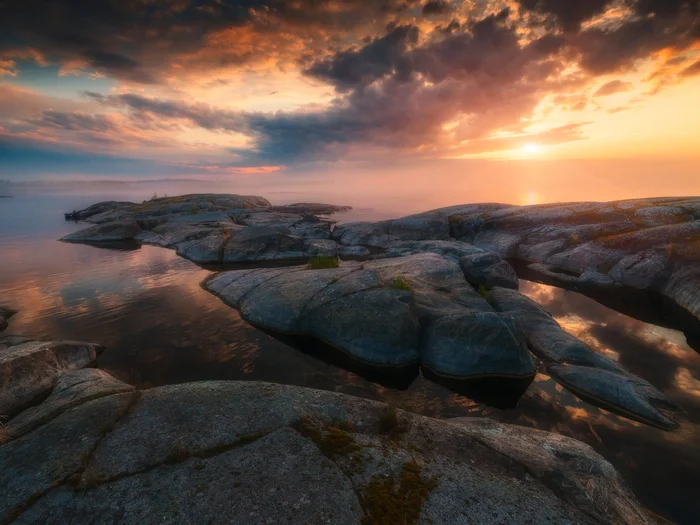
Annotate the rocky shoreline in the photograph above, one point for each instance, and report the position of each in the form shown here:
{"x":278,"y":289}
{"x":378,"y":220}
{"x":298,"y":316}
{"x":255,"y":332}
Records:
{"x":434,"y":293}
{"x":98,"y":450}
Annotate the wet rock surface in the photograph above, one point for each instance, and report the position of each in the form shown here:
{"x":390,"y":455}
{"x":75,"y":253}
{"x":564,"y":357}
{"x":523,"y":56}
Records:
{"x":438,"y":290}
{"x":234,"y":452}
{"x":394,"y":312}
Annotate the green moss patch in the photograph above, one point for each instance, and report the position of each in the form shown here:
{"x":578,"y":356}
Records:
{"x":388,"y":502}
{"x":322,"y":263}
{"x":401,"y":283}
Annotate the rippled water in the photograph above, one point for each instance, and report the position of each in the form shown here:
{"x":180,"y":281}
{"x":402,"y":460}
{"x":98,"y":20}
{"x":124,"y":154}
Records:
{"x":146,"y":305}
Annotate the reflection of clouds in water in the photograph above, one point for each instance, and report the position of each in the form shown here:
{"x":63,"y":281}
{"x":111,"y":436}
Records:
{"x":580,"y":328}
{"x":687,"y":382}
{"x":649,"y":351}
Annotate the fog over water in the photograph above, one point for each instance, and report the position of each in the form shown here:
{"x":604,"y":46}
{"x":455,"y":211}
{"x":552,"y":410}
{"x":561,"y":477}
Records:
{"x":160,"y":327}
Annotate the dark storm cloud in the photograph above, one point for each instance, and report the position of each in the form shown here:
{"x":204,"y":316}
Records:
{"x":656,"y":25}
{"x":134,"y":39}
{"x":378,"y":58}
{"x":568,"y":14}
{"x":482,"y":74}
{"x":435,"y":7}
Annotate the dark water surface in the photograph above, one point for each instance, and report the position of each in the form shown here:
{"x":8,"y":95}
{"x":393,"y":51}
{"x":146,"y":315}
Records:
{"x":160,"y":327}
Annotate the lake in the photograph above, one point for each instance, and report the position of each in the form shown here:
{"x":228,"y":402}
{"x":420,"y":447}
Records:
{"x":160,"y":327}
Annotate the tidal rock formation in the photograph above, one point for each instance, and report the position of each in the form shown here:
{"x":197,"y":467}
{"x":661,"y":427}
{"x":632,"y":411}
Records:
{"x":390,"y":313}
{"x":249,"y":452}
{"x":574,"y":365}
{"x":30,"y":369}
{"x":618,"y":392}
{"x":123,"y":230}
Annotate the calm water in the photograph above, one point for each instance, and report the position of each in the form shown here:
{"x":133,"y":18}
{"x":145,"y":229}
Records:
{"x":161,"y":327}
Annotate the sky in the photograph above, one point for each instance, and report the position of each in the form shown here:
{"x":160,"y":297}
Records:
{"x":222,"y":88}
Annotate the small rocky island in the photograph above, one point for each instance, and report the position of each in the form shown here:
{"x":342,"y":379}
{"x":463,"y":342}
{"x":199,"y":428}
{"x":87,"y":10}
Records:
{"x":434,"y":294}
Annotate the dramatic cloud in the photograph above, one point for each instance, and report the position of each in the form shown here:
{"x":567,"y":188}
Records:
{"x":569,"y":15}
{"x":373,"y":61}
{"x":269,"y":82}
{"x":140,"y":40}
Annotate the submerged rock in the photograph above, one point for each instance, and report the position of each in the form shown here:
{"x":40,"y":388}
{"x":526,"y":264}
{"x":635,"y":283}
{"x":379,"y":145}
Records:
{"x":234,"y":452}
{"x":621,"y":393}
{"x":30,"y":370}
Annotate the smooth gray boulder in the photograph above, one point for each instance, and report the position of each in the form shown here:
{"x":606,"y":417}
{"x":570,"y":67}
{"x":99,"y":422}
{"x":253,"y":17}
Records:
{"x":386,"y":313}
{"x":621,"y":393}
{"x":475,"y":344}
{"x":488,"y":269}
{"x":109,"y":232}
{"x":30,"y":370}
{"x":208,"y":249}
{"x":72,"y":389}
{"x":251,"y":452}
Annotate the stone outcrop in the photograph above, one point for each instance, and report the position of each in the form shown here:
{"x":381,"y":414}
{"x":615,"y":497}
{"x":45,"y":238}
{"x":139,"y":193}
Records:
{"x":249,"y":452}
{"x":30,"y":369}
{"x":216,"y":229}
{"x":422,"y":299}
{"x":391,"y":313}
{"x":71,"y":389}
{"x":123,"y":230}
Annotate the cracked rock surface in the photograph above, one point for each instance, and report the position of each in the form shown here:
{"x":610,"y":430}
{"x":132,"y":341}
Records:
{"x":252,"y":452}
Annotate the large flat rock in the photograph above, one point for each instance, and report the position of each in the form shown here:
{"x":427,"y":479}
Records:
{"x":249,"y":452}
{"x":388,"y":313}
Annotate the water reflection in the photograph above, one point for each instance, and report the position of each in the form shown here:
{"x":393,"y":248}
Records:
{"x":161,"y":327}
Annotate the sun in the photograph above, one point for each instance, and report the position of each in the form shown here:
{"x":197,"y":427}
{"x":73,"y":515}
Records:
{"x":531,"y":148}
